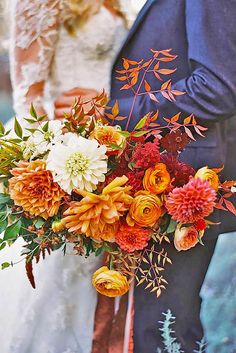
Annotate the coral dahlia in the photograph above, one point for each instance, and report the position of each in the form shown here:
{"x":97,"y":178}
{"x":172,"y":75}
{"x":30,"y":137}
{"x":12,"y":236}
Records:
{"x":132,"y":238}
{"x":32,"y":187}
{"x":192,"y":202}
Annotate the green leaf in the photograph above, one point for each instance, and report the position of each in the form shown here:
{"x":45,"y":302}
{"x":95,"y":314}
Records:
{"x":3,"y":225}
{"x":171,"y":227}
{"x":33,"y":112}
{"x":12,"y":231}
{"x":99,"y":251}
{"x":140,"y":133}
{"x":31,"y":130}
{"x":45,"y":127}
{"x":141,"y":123}
{"x":41,"y":118}
{"x":2,"y":128}
{"x":4,"y":198}
{"x":115,"y":146}
{"x":39,"y":223}
{"x":124,"y":133}
{"x":5,"y":265}
{"x":200,"y":240}
{"x":31,"y":121}
{"x":18,"y":129}
{"x":2,"y":246}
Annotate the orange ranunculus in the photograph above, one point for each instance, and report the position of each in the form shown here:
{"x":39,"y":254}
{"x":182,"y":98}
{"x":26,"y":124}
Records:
{"x":145,"y":210}
{"x":186,"y":238}
{"x":156,"y":179}
{"x":109,"y":282}
{"x":32,"y":188}
{"x":210,"y":175}
{"x":96,"y":216}
{"x":108,"y":136}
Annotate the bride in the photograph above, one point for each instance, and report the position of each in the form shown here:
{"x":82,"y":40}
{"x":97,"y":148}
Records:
{"x":55,"y":46}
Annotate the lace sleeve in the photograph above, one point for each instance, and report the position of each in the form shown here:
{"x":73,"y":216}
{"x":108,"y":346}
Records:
{"x":33,"y":36}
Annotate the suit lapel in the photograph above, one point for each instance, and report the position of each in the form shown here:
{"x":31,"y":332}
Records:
{"x":136,"y":24}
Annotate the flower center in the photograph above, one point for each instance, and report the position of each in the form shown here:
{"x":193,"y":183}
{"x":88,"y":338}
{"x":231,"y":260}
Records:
{"x":76,"y":164}
{"x":48,"y":136}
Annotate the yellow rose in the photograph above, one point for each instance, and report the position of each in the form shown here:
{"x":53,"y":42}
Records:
{"x":109,"y":282}
{"x":186,"y":237}
{"x":145,"y":210}
{"x":210,"y":175}
{"x":156,"y":179}
{"x":108,"y":135}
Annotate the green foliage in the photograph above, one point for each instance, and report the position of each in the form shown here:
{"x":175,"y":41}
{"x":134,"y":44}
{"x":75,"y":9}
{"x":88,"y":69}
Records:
{"x":12,"y":231}
{"x":170,"y":342}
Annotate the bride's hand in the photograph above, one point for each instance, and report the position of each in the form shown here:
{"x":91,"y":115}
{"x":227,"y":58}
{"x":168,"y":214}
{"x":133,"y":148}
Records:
{"x":64,"y":103}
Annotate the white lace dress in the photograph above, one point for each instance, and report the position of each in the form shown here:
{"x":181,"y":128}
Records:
{"x":58,"y":316}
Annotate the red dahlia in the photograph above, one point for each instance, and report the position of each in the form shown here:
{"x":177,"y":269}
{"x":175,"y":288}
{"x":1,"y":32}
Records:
{"x":146,"y":155}
{"x":136,"y":180}
{"x":179,"y":171}
{"x":175,"y":141}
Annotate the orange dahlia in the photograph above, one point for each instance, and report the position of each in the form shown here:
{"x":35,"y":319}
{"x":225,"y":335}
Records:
{"x":32,"y":187}
{"x":193,"y":201}
{"x":132,"y":238}
{"x":156,"y":179}
{"x":96,"y":216}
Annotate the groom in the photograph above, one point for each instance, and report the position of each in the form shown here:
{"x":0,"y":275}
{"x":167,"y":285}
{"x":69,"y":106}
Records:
{"x":202,"y":33}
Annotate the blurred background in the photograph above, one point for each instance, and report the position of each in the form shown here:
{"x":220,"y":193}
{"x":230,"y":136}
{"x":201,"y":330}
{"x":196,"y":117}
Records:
{"x":218,"y":292}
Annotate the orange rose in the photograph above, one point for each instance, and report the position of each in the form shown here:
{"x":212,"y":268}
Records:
{"x":145,"y":210}
{"x":210,"y":175}
{"x":186,"y":237}
{"x":156,"y":179}
{"x":108,"y":136}
{"x":109,"y":282}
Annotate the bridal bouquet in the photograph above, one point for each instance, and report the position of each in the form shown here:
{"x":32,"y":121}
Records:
{"x":84,"y":181}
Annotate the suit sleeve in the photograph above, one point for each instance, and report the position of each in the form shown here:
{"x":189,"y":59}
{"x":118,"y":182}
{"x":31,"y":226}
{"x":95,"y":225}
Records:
{"x":211,"y":88}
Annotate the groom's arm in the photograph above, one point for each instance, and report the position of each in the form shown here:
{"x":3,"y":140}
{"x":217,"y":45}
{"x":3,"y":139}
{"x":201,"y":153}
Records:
{"x":211,"y":88}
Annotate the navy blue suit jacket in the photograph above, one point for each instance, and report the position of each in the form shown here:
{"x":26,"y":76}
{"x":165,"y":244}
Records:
{"x":202,"y":34}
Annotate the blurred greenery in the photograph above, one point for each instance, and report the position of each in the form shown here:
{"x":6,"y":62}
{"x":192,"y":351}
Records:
{"x":219,"y":297}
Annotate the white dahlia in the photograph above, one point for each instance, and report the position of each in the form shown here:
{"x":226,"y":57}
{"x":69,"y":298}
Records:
{"x":40,"y":142}
{"x":77,"y":163}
